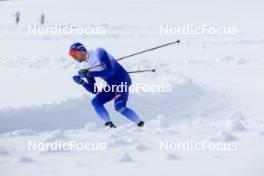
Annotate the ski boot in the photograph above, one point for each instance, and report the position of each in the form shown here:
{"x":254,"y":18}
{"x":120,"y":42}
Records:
{"x":141,"y":124}
{"x":110,"y":124}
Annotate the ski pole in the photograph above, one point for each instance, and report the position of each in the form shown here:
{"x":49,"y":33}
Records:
{"x":157,"y":47}
{"x":140,"y":52}
{"x":141,"y":71}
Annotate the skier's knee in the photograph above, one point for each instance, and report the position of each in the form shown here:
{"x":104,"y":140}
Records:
{"x":120,"y":107}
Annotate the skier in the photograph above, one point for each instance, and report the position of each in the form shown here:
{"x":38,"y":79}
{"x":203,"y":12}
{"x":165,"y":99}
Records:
{"x":42,"y":19}
{"x":112,"y":73}
{"x":17,"y":17}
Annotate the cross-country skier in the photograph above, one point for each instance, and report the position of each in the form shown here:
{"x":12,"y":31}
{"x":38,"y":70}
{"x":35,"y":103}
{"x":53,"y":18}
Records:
{"x":112,"y":73}
{"x":17,"y":17}
{"x":42,"y":19}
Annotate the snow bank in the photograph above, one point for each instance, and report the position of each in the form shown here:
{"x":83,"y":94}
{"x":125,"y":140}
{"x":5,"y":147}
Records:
{"x":4,"y":152}
{"x":22,"y":132}
{"x":73,"y":113}
{"x":56,"y":135}
{"x":125,"y":157}
{"x":234,"y":122}
{"x":191,"y":100}
{"x":171,"y":156}
{"x":224,"y":136}
{"x":25,"y":160}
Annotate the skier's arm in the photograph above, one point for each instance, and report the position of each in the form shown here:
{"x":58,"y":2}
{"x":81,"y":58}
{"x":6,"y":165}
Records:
{"x":90,"y":85}
{"x":105,"y":60}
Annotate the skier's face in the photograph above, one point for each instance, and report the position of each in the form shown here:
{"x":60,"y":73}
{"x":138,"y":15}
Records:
{"x":79,"y":56}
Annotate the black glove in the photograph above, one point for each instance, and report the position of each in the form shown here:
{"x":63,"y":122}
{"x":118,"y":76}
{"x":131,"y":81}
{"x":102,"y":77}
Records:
{"x":84,"y":73}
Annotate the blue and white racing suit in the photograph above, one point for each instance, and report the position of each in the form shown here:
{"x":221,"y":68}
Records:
{"x":113,"y":74}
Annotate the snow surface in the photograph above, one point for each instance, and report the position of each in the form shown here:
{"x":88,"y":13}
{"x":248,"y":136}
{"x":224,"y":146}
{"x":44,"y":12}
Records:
{"x":217,"y":89}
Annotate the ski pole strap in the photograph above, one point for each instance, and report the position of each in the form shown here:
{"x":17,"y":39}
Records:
{"x":141,"y":71}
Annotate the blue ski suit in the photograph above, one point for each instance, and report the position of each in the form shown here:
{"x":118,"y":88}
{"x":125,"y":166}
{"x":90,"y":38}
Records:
{"x":113,"y":74}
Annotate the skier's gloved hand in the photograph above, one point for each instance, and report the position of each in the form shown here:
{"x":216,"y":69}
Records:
{"x":78,"y":79}
{"x":84,"y":73}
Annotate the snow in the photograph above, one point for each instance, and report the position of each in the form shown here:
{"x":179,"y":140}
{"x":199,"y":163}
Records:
{"x":125,"y":158}
{"x":217,"y":90}
{"x":25,"y":160}
{"x":224,"y":136}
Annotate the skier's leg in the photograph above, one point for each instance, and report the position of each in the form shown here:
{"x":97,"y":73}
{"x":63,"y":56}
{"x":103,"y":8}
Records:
{"x":120,"y":106}
{"x":98,"y":102}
